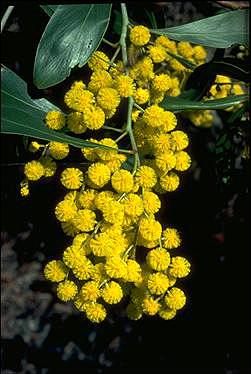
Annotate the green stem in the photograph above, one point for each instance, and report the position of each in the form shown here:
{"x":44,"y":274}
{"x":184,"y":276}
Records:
{"x":122,"y":40}
{"x":112,"y":128}
{"x":115,"y":54}
{"x":121,"y":137}
{"x":114,"y":45}
{"x":138,"y":107}
{"x":130,"y":133}
{"x":6,"y":16}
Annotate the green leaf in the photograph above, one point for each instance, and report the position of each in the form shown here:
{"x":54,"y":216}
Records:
{"x":23,"y":116}
{"x":220,"y":31}
{"x":49,"y":9}
{"x":179,"y":103}
{"x":182,"y":60}
{"x":72,"y":35}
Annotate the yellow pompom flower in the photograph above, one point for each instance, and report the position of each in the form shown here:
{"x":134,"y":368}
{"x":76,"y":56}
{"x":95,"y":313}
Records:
{"x":49,"y":166}
{"x":157,"y":283}
{"x":150,"y":229}
{"x":79,"y":100}
{"x":75,"y":123}
{"x":199,"y":53}
{"x":180,"y":140}
{"x":94,"y":117}
{"x":101,"y":245}
{"x":158,"y":259}
{"x":34,"y":147}
{"x":133,"y":312}
{"x":99,"y":61}
{"x":113,"y":212}
{"x":98,"y":274}
{"x":135,"y":115}
{"x":141,"y":95}
{"x":167,"y":313}
{"x":66,"y":290}
{"x":87,"y":199}
{"x":24,"y":191}
{"x":139,"y":35}
{"x":185,"y":49}
{"x":33,"y":170}
{"x":84,"y":220}
{"x":58,"y":150}
{"x":176,"y":65}
{"x":100,"y":79}
{"x":65,"y":210}
{"x":169,"y":182}
{"x":69,"y":228}
{"x":112,"y":292}
{"x":144,"y":71}
{"x":153,"y":116}
{"x":124,"y":85}
{"x":180,"y":267}
{"x":72,"y":255}
{"x":175,"y":298}
{"x":161,"y":82}
{"x":171,"y":238}
{"x":183,"y":161}
{"x":162,"y":143}
{"x":99,"y":174}
{"x":133,"y":271}
{"x":133,"y":205}
{"x":55,"y":120}
{"x":151,"y":202}
{"x":157,"y":53}
{"x":103,"y":198}
{"x":80,"y":241}
{"x":122,"y":181}
{"x":165,"y":161}
{"x":78,"y":85}
{"x":90,"y":291}
{"x":146,"y":177}
{"x":165,"y":42}
{"x":55,"y":271}
{"x":83,"y":269}
{"x":95,"y":312}
{"x":72,"y":178}
{"x":108,"y":98}
{"x":107,"y":155}
{"x":150,"y":306}
{"x":115,"y":163}
{"x":90,"y":153}
{"x":115,"y":267}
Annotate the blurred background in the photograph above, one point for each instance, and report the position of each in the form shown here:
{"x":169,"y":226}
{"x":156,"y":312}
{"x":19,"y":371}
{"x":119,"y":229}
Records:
{"x":40,"y":334}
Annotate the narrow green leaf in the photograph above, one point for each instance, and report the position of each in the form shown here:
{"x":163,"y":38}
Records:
{"x":179,"y":104}
{"x":220,"y":31}
{"x":49,"y":9}
{"x":72,"y":35}
{"x":23,"y":116}
{"x":183,"y":61}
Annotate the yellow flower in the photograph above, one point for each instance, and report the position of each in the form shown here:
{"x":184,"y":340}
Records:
{"x":133,"y":205}
{"x":124,"y":85}
{"x":80,"y":241}
{"x":169,"y":121}
{"x":99,"y":174}
{"x":90,"y":153}
{"x":72,"y":178}
{"x":112,"y":292}
{"x":167,"y":313}
{"x":176,"y":65}
{"x":55,"y":120}
{"x":199,"y":53}
{"x":90,"y":291}
{"x":94,"y":117}
{"x":158,"y":259}
{"x":72,"y":255}
{"x":33,"y":170}
{"x":69,"y":228}
{"x":151,"y":202}
{"x":58,"y":150}
{"x":104,"y":197}
{"x":100,"y":79}
{"x":133,"y":271}
{"x":165,"y":161}
{"x":165,"y":42}
{"x":122,"y":181}
{"x":170,"y":182}
{"x":108,"y":98}
{"x":34,"y":147}
{"x":180,"y":140}
{"x":145,"y":70}
{"x":150,"y":306}
{"x":79,"y":100}
{"x":99,"y":61}
{"x":83,"y":269}
{"x":153,"y":116}
{"x":135,"y":115}
{"x":86,"y":199}
{"x":146,"y":177}
{"x":171,"y":238}
{"x":84,"y":220}
{"x":175,"y":298}
{"x":55,"y":271}
{"x":185,"y":49}
{"x":67,"y":290}
{"x":180,"y":267}
{"x":95,"y":312}
{"x":49,"y":166}
{"x":141,"y":95}
{"x":107,"y":155}
{"x":75,"y":123}
{"x":115,"y":267}
{"x":183,"y":161}
{"x":150,"y":229}
{"x":65,"y":210}
{"x":162,"y":82}
{"x":162,"y":143}
{"x":157,"y":53}
{"x":157,"y":283}
{"x":113,"y":212}
{"x":139,"y":35}
{"x":24,"y":191}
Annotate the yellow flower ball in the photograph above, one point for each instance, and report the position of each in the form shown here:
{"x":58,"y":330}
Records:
{"x":165,"y":161}
{"x":150,"y":306}
{"x":72,"y":178}
{"x":185,"y":49}
{"x":100,"y":79}
{"x":58,"y":150}
{"x":55,"y":271}
{"x":103,"y":198}
{"x":183,"y":161}
{"x":75,"y":123}
{"x":113,"y":212}
{"x":94,"y":117}
{"x":90,"y":291}
{"x":150,"y":229}
{"x":180,"y":267}
{"x":146,"y":177}
{"x":85,"y":220}
{"x":55,"y":120}
{"x":99,"y":61}
{"x":199,"y":53}
{"x":180,"y":140}
{"x":65,"y":210}
{"x":99,"y":174}
{"x":151,"y":202}
{"x":169,"y":182}
{"x":86,"y":199}
{"x":49,"y":166}
{"x":157,"y":283}
{"x":175,"y":298}
{"x":33,"y":170}
{"x":167,"y":313}
{"x":108,"y":98}
{"x":112,"y":292}
{"x":72,"y":255}
{"x":122,"y":181}
{"x":139,"y":35}
{"x":158,"y":259}
{"x":171,"y":238}
{"x":133,"y":205}
{"x":124,"y":85}
{"x":161,"y":82}
{"x":115,"y":267}
{"x":153,"y":116}
{"x":157,"y":53}
{"x":107,"y":155}
{"x":95,"y":312}
{"x":67,"y":290}
{"x":79,"y":100}
{"x":141,"y":95}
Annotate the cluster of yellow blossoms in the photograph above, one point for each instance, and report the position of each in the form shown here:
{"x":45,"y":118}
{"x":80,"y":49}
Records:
{"x":117,"y":247}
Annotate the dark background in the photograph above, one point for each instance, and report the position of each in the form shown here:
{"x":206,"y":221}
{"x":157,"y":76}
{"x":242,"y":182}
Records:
{"x":42,"y":335}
